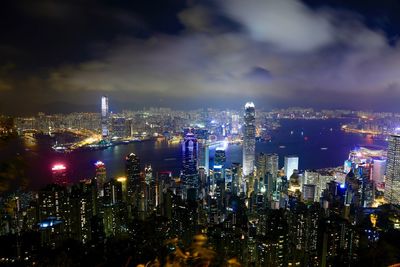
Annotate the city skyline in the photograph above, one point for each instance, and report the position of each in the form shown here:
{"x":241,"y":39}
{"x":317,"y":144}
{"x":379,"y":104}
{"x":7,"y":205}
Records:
{"x":329,"y":54}
{"x":200,"y":133}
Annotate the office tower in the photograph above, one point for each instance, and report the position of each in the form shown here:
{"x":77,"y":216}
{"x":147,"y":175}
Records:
{"x":81,"y":210}
{"x":308,"y":192}
{"x":148,"y":174}
{"x":59,"y":172}
{"x":392,"y":183}
{"x":261,"y":176}
{"x":132,"y":166}
{"x":261,"y":166}
{"x":236,"y":178}
{"x":272,"y":164}
{"x":220,"y":157}
{"x":104,"y":117}
{"x":124,"y":185}
{"x":235,"y":124}
{"x":189,"y":149}
{"x":271,"y":169}
{"x":367,"y":185}
{"x":101,"y":176}
{"x":249,"y":139}
{"x":118,"y":127}
{"x":52,"y":202}
{"x":204,"y":157}
{"x":291,"y":164}
{"x":378,"y":172}
{"x":113,"y":192}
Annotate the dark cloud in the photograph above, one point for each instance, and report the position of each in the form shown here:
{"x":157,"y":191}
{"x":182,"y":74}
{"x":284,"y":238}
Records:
{"x":174,"y":53}
{"x":259,"y":74}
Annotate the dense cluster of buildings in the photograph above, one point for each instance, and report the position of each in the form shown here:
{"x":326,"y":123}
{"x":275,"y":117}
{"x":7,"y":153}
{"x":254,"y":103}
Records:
{"x":256,"y":211}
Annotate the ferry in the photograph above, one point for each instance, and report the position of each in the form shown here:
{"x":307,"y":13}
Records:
{"x":324,"y":148}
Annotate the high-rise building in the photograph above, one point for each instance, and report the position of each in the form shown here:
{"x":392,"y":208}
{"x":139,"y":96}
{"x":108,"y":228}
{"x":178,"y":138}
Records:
{"x":235,"y":124}
{"x":291,"y":164}
{"x":104,"y":116}
{"x":272,"y":164}
{"x":189,"y":149}
{"x":132,"y":165}
{"x":101,"y":176}
{"x":220,"y":157}
{"x":148,"y":173}
{"x":392,"y":183}
{"x":249,"y":138}
{"x":118,"y":127}
{"x":378,"y":172}
{"x":204,"y":157}
{"x":271,"y":169}
{"x":113,"y":192}
{"x":261,"y":166}
{"x":59,"y":172}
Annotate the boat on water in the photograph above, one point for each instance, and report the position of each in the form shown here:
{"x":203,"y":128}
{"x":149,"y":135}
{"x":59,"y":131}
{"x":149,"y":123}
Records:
{"x":324,"y":148}
{"x":282,"y":146}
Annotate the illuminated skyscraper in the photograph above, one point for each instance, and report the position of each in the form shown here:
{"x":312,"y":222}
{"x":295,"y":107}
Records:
{"x":392,"y":183}
{"x":59,"y":172}
{"x":104,"y":116}
{"x":378,"y":172}
{"x":204,"y":157}
{"x":189,"y":148}
{"x":249,"y":138}
{"x":291,"y":164}
{"x":101,"y":176}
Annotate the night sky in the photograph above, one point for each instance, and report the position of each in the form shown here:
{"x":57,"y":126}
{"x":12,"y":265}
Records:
{"x":61,"y":56}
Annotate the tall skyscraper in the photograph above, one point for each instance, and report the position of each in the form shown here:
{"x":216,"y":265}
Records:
{"x":104,"y":116}
{"x":132,"y":164}
{"x":249,"y":138}
{"x":101,"y":176}
{"x":59,"y":172}
{"x":291,"y":164}
{"x":272,"y":162}
{"x":204,"y":156}
{"x":189,"y":149}
{"x":378,"y":172}
{"x":392,"y":183}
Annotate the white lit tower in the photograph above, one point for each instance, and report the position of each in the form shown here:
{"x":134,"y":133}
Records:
{"x":104,"y":117}
{"x":291,"y":164}
{"x":189,"y":149}
{"x":392,"y":183}
{"x":249,"y":139}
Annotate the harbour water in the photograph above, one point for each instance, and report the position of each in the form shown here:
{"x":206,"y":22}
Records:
{"x":26,"y":163}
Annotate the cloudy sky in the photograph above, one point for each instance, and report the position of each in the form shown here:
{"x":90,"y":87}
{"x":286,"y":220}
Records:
{"x":63,"y":55}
